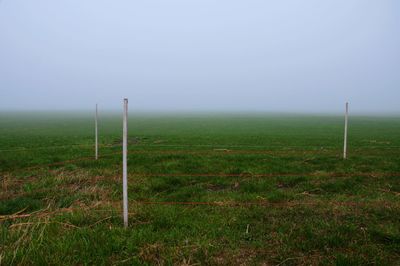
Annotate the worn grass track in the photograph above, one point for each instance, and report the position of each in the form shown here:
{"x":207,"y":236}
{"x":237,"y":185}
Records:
{"x":205,"y":189}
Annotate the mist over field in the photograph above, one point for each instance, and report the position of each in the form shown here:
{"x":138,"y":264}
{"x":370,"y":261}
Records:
{"x":230,"y":56}
{"x":237,"y":146}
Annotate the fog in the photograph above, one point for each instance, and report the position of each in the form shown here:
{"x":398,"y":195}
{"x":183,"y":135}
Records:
{"x":201,"y":55}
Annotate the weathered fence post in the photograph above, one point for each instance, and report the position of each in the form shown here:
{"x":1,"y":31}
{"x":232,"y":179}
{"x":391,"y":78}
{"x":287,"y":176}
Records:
{"x":346,"y":121}
{"x":124,"y":163}
{"x":96,"y":134}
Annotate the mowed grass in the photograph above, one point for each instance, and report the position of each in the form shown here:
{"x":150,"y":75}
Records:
{"x":204,"y":189}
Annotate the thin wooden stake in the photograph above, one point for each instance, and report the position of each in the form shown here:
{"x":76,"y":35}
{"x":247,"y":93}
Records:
{"x":124,"y":163}
{"x":346,"y":121}
{"x":96,"y":134}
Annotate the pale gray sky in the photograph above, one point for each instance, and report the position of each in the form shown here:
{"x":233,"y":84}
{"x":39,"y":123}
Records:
{"x":254,"y":55}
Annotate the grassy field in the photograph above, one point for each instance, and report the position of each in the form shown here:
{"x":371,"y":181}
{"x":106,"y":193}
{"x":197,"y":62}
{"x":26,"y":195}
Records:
{"x":205,"y":189}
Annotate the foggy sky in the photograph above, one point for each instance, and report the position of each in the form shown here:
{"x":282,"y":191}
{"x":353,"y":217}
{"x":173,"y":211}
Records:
{"x":248,"y":55}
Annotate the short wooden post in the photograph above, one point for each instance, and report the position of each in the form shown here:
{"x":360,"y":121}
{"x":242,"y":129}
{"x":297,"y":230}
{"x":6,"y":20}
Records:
{"x":346,"y":121}
{"x":96,"y":134}
{"x":124,"y":163}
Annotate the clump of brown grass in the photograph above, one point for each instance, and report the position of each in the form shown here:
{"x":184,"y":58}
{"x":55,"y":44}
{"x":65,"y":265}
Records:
{"x":151,"y":253}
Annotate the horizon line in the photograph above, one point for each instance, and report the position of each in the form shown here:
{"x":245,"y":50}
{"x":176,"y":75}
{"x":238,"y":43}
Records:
{"x":203,"y":111}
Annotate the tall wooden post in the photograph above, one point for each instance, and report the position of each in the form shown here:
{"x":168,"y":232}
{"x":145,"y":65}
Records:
{"x":346,"y":121}
{"x":125,"y":163}
{"x":96,"y":134}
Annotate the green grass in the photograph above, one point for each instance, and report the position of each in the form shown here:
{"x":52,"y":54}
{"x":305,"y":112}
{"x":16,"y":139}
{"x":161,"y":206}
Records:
{"x":276,"y":188}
